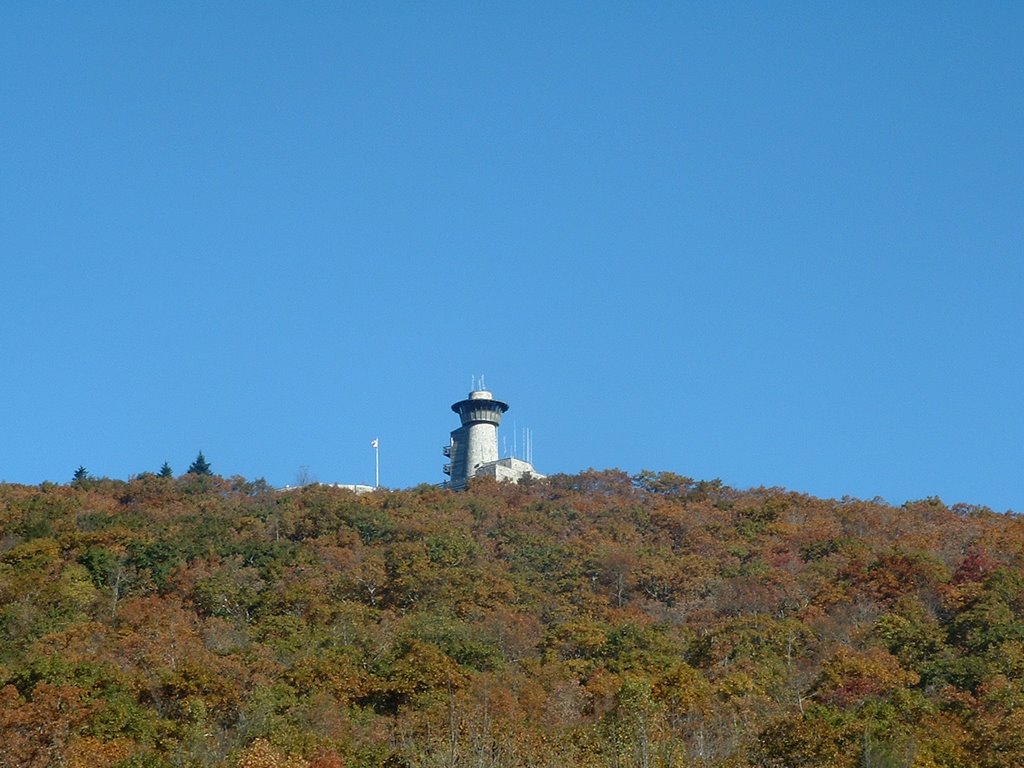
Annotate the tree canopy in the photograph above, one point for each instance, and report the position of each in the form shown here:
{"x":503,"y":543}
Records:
{"x":594,"y":619}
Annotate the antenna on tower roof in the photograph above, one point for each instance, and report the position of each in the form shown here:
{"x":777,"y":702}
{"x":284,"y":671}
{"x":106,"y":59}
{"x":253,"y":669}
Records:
{"x":482,"y":385}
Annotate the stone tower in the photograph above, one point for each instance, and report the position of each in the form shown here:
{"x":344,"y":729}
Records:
{"x":473,"y":448}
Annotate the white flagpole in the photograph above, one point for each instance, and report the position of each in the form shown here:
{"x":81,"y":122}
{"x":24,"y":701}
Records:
{"x":376,"y":455}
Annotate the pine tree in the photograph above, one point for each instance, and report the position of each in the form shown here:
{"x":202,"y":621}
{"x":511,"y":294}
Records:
{"x":81,"y":476}
{"x":165,"y":470}
{"x":200,"y":466}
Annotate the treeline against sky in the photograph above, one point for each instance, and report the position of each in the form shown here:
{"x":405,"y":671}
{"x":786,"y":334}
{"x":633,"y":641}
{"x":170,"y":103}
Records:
{"x":589,"y":620}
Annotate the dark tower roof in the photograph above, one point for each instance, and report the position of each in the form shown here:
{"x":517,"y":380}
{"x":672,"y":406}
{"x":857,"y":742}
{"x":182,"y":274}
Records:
{"x":479,"y":407}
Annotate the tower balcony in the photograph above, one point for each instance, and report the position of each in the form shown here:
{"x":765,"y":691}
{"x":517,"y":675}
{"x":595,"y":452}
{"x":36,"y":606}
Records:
{"x":447,"y":469}
{"x":447,"y":451}
{"x":480,"y":410}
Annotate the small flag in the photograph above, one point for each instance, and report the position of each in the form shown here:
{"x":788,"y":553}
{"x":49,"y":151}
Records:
{"x":375,"y":443}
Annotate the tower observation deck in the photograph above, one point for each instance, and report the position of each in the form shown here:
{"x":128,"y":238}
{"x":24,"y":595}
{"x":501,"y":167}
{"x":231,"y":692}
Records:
{"x":473,"y":448}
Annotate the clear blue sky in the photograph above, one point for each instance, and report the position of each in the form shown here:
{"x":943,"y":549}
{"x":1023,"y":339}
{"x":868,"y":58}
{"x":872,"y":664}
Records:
{"x":777,"y":243}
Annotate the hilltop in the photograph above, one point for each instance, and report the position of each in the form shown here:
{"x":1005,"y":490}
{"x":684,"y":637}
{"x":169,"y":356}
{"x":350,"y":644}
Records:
{"x":596,"y":619}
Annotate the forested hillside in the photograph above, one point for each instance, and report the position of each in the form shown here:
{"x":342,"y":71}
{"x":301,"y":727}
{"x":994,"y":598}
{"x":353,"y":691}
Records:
{"x":590,"y":620}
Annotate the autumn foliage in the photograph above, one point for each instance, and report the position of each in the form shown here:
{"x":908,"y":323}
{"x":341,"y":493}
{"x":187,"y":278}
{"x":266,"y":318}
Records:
{"x":590,"y":620}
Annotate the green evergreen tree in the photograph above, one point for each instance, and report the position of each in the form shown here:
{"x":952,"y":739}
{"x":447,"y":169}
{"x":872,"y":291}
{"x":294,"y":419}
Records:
{"x":200,"y":466}
{"x":81,"y":476}
{"x":165,"y":470}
